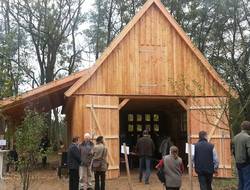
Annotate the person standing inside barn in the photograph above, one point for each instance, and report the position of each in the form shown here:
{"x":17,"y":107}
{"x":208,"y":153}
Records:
{"x":165,"y":146}
{"x":205,"y":161}
{"x":241,"y":152}
{"x":145,"y":148}
{"x":74,"y":161}
{"x":86,"y":150}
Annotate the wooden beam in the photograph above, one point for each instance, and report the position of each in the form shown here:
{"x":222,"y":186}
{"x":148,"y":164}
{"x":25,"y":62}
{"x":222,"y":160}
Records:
{"x":215,"y":126}
{"x":182,"y":103}
{"x":108,"y":137}
{"x":213,"y":137}
{"x":185,"y":106}
{"x":205,"y":107}
{"x":123,"y":103}
{"x":100,"y":130}
{"x":101,"y":106}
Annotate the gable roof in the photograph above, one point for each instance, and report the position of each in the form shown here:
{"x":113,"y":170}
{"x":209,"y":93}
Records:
{"x":125,"y":31}
{"x":47,"y":96}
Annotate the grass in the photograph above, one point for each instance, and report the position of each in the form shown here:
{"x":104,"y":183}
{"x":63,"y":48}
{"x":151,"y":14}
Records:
{"x":225,"y":184}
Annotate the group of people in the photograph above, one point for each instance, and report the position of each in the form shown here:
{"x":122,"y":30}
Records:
{"x":85,"y":158}
{"x":205,"y":161}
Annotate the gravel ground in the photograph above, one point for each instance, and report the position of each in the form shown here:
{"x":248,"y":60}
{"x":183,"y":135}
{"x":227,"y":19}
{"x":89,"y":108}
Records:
{"x":48,"y":180}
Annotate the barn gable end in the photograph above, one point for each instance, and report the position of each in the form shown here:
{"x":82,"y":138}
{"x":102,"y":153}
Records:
{"x":153,"y":57}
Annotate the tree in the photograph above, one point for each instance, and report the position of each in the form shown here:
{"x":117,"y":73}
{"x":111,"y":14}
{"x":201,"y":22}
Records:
{"x":50,"y":26}
{"x":28,"y":137}
{"x":11,"y":43}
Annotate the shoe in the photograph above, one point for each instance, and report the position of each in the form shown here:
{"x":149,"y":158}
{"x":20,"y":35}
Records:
{"x":146,"y":182}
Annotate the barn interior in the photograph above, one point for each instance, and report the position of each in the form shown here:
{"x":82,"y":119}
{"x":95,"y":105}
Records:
{"x":161,"y":117}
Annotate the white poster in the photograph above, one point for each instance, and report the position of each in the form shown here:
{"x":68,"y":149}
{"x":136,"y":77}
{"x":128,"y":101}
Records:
{"x":127,"y":149}
{"x":2,"y":142}
{"x":192,"y":149}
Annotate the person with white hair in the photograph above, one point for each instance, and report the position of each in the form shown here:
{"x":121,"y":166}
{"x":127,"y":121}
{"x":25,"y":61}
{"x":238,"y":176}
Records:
{"x":86,"y":151}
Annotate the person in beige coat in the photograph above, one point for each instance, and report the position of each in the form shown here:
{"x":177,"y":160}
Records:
{"x":100,"y":156}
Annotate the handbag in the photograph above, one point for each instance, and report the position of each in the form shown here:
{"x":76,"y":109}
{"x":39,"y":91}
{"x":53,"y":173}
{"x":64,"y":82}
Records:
{"x":161,"y":176}
{"x":97,"y":163}
{"x":160,"y":173}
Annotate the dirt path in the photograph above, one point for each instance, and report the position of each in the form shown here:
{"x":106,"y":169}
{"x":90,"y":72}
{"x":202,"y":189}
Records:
{"x":47,"y":180}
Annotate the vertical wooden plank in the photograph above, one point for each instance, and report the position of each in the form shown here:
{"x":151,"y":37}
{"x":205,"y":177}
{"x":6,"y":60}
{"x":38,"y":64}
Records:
{"x":148,"y":26}
{"x":174,"y":65}
{"x":136,"y":54}
{"x":155,"y":26}
{"x":132,"y":82}
{"x":142,"y":30}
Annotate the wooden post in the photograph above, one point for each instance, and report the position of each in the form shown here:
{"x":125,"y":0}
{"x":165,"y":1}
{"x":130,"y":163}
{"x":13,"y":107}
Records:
{"x":190,"y":165}
{"x":127,"y":166}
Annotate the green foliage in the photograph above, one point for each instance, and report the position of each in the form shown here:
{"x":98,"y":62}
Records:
{"x":28,"y":137}
{"x":225,"y":184}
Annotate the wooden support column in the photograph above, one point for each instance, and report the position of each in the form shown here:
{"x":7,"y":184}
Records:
{"x":190,"y":165}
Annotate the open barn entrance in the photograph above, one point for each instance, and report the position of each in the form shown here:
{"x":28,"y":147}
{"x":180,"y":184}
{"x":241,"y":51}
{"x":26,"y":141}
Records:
{"x":161,"y":117}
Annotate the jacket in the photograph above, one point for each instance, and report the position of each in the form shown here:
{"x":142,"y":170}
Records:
{"x":241,"y":148}
{"x":74,"y":158}
{"x":100,"y":152}
{"x":204,"y":160}
{"x":173,"y":169}
{"x":86,"y":151}
{"x":145,"y":146}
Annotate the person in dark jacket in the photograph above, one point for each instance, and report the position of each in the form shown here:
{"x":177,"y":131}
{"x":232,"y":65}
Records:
{"x":43,"y":148}
{"x":145,"y":148}
{"x":205,"y":161}
{"x":74,"y":161}
{"x":241,"y":152}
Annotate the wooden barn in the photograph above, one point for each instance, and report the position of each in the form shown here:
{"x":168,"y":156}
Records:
{"x":150,"y":77}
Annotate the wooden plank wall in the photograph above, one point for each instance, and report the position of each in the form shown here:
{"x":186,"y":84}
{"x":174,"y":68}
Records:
{"x":152,"y":59}
{"x":204,"y":113}
{"x":108,"y":119}
{"x":77,"y":117}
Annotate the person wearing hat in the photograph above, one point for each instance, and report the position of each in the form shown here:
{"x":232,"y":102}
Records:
{"x":241,"y":152}
{"x":145,"y":148}
{"x":86,"y":151}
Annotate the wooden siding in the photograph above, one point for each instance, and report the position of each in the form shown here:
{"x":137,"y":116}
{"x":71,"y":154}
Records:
{"x":152,"y":59}
{"x":106,"y":124}
{"x":76,"y":126}
{"x":211,"y":115}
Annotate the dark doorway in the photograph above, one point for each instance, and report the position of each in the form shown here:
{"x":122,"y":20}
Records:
{"x":161,"y":117}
